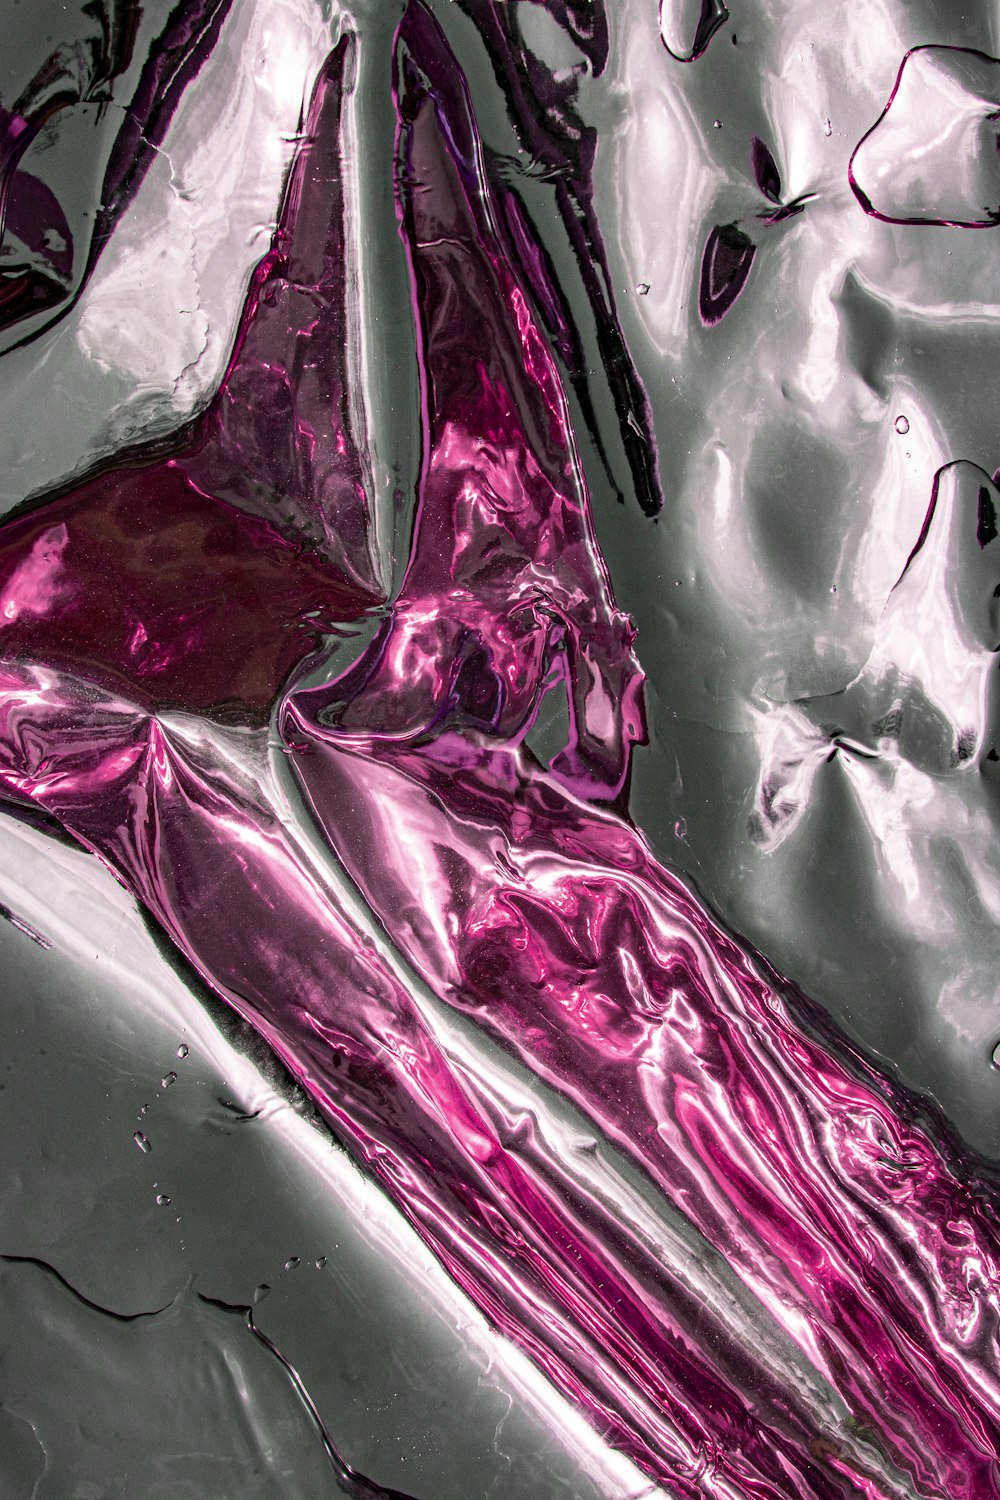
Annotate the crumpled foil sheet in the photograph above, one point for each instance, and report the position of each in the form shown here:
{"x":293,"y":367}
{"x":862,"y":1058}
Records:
{"x":498,"y":611}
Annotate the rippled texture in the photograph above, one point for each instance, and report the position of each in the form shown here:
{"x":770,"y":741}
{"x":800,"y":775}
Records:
{"x":933,"y":157}
{"x":382,"y":806}
{"x":42,"y":261}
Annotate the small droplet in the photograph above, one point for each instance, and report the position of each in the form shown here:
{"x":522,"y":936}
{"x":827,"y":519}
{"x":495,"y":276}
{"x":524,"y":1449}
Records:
{"x":291,"y":1262}
{"x":901,"y":425}
{"x":717,"y":124}
{"x":183,"y":1050}
{"x":143,"y":1110}
{"x":167,"y":1080}
{"x":141,"y":1141}
{"x":163,"y":1200}
{"x":643,"y":288}
{"x":833,"y":588}
{"x":320,"y":1263}
{"x":827,"y":127}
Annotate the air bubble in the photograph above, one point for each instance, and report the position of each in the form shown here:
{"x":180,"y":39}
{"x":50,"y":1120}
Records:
{"x":902,"y":425}
{"x":167,"y":1080}
{"x":142,"y":1141}
{"x":643,"y":288}
{"x":183,"y":1050}
{"x":319,"y":1264}
{"x":291,"y":1262}
{"x":163,"y":1200}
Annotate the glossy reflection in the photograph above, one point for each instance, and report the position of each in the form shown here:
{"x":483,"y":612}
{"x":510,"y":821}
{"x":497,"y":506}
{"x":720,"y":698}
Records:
{"x":433,"y":880}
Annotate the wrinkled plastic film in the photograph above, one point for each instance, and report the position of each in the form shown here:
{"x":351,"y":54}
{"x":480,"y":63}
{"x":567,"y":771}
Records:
{"x":481,"y":692}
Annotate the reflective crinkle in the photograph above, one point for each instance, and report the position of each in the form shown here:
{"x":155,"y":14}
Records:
{"x":381,"y":804}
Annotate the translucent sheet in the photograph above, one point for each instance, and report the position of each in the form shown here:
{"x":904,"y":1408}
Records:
{"x":498,"y":611}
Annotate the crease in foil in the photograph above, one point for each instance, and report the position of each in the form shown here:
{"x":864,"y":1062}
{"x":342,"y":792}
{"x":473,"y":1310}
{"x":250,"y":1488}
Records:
{"x":363,"y":736}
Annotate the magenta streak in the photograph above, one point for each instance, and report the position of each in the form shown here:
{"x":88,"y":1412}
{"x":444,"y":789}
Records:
{"x":520,"y":897}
